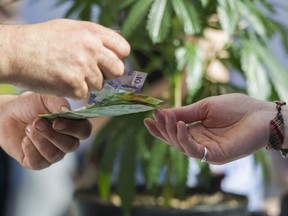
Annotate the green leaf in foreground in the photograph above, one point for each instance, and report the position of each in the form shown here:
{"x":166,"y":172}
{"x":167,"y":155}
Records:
{"x":115,"y":104}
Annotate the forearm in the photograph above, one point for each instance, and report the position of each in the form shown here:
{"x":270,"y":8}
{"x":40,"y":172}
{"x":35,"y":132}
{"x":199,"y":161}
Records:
{"x":6,"y":52}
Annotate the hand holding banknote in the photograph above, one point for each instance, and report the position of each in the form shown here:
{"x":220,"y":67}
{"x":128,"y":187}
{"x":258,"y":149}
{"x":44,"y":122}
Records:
{"x":67,"y":58}
{"x":119,"y":96}
{"x":35,"y":142}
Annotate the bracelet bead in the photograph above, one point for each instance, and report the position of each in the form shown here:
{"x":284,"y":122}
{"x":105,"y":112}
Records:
{"x":276,"y":126}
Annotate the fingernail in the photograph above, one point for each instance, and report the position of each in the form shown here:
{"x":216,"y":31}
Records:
{"x":64,"y":109}
{"x":28,"y":129}
{"x":40,"y":125}
{"x":59,"y":125}
{"x":156,"y":113}
{"x":145,"y":121}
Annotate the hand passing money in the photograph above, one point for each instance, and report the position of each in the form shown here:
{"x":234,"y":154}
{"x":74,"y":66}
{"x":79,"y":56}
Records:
{"x":131,"y":81}
{"x":118,"y":97}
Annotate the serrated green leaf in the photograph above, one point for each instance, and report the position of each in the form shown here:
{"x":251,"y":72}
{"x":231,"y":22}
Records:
{"x":228,"y":15}
{"x":258,"y":84}
{"x":194,"y":16}
{"x":126,"y":180}
{"x":262,"y":158}
{"x":205,"y":3}
{"x":158,"y":22}
{"x":103,"y":133}
{"x":157,"y":161}
{"x":180,"y":167}
{"x":104,"y":184}
{"x":254,"y":16}
{"x":190,"y":59}
{"x":144,"y":141}
{"x":279,"y":29}
{"x":187,"y":16}
{"x":114,"y":141}
{"x":76,"y":7}
{"x":85,"y":13}
{"x":126,"y":3}
{"x":136,"y":15}
{"x":277,"y":72}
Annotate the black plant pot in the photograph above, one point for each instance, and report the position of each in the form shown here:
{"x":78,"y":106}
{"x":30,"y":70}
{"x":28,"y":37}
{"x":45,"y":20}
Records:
{"x":85,"y":204}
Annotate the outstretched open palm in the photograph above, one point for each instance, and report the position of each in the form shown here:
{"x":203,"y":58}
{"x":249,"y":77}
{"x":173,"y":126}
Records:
{"x":230,"y":126}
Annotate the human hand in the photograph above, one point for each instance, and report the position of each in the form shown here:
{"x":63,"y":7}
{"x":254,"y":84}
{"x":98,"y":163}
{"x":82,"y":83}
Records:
{"x":67,"y":58}
{"x":230,"y":126}
{"x":35,"y":142}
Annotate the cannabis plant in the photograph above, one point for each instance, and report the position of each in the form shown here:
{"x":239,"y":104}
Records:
{"x":176,"y":41}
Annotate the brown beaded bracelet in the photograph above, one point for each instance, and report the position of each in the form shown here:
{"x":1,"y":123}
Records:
{"x":276,"y":137}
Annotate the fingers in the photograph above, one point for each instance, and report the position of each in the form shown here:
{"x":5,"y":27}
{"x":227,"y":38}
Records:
{"x":115,"y":49}
{"x":171,"y":128}
{"x":55,"y":104}
{"x":166,"y":128}
{"x":160,"y":124}
{"x":191,"y":113}
{"x":46,"y":143}
{"x":152,"y":128}
{"x":114,"y":41}
{"x":43,"y":130}
{"x":81,"y":129}
{"x":109,"y":63}
{"x":32,"y":158}
{"x":191,"y":148}
{"x":94,"y":79}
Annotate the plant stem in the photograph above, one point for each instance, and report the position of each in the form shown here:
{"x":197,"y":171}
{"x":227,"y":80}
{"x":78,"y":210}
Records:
{"x":178,"y":90}
{"x":167,"y":192}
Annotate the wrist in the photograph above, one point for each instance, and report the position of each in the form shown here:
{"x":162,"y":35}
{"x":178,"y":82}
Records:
{"x":274,"y":111}
{"x":284,"y":112}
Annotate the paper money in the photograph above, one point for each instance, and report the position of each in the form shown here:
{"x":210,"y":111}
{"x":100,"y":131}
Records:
{"x":114,"y":104}
{"x":131,"y":81}
{"x":118,"y":97}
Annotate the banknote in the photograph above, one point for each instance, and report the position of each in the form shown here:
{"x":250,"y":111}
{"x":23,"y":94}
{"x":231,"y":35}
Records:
{"x":131,"y":81}
{"x":114,"y":104}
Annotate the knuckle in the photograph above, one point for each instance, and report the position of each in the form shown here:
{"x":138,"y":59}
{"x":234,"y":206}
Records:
{"x":125,"y":49}
{"x":86,"y":131}
{"x":95,"y":81}
{"x":53,"y":154}
{"x":73,"y":146}
{"x":76,"y":83}
{"x":119,"y":68}
{"x":36,"y":163}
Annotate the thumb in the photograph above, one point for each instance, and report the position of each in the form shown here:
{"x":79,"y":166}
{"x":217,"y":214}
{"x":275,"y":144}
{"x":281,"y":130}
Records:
{"x":191,"y":113}
{"x":55,"y":104}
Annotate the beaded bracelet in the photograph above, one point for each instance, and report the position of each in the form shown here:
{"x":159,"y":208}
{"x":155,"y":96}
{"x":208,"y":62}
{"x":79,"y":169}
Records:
{"x":276,"y":137}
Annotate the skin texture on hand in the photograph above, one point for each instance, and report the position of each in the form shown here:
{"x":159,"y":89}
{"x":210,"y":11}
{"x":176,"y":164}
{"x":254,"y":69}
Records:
{"x":35,"y":142}
{"x":230,"y":126}
{"x":61,"y":57}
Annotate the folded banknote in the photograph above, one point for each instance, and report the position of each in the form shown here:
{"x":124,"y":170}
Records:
{"x":119,"y":96}
{"x":114,"y":104}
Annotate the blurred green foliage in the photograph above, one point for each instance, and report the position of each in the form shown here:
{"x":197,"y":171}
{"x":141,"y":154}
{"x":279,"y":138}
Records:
{"x":177,"y":39}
